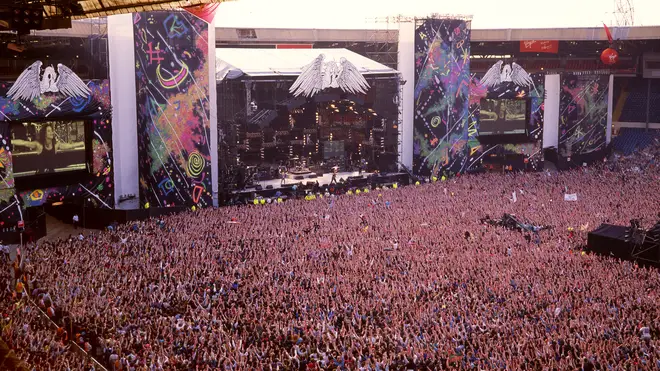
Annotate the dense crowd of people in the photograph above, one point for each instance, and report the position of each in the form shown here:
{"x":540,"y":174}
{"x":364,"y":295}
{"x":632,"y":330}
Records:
{"x":406,"y":278}
{"x":28,"y":332}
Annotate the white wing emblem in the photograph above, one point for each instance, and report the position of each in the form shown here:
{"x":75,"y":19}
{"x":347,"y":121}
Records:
{"x":492,"y":76}
{"x":310,"y":80}
{"x":31,"y":83}
{"x":69,"y":84}
{"x":500,"y":73}
{"x":320,"y":75}
{"x":519,"y":76}
{"x":350,"y":79}
{"x":28,"y":84}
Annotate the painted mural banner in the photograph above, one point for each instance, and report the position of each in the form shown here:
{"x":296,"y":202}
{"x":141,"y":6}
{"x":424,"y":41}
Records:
{"x":94,"y":108}
{"x":442,"y":82}
{"x":173,"y":115}
{"x":6,"y":165}
{"x":583,"y":109}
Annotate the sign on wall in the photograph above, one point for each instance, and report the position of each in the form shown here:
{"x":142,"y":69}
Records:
{"x":539,"y":46}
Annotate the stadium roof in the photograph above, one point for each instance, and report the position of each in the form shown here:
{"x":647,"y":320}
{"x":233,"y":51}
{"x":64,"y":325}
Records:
{"x":101,"y":8}
{"x":228,"y":36}
{"x":234,"y":63}
{"x":81,"y":9}
{"x":281,"y":35}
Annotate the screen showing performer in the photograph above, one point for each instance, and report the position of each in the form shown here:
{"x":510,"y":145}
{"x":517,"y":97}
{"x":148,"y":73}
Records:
{"x":502,"y":116}
{"x":48,"y":147}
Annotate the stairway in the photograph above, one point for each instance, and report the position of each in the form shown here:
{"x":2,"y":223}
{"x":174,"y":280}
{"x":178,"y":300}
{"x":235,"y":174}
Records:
{"x":57,"y":229}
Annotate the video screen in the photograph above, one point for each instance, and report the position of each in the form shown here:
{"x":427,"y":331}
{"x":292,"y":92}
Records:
{"x":333,"y":149}
{"x":502,"y":116}
{"x":48,"y":147}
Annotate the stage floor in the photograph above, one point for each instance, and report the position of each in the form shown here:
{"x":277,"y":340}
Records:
{"x":323,"y":180}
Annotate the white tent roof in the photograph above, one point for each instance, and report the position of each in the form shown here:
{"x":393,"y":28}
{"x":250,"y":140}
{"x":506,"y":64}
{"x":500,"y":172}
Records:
{"x":233,"y":63}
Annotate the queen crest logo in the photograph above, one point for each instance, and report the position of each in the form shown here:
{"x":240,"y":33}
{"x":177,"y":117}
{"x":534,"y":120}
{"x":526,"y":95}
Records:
{"x":33,"y":82}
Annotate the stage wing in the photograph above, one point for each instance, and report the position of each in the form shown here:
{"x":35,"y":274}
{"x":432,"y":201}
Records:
{"x":492,"y":76}
{"x":310,"y":80}
{"x":69,"y":84}
{"x":350,"y":79}
{"x":27,"y":85}
{"x":519,"y":76}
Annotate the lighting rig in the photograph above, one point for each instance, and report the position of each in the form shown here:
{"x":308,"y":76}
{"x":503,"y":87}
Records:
{"x":23,"y":16}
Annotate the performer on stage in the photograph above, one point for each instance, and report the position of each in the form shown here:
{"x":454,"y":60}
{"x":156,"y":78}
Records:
{"x":283,"y":175}
{"x":335,"y":169}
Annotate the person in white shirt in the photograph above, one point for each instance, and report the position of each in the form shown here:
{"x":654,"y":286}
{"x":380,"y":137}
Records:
{"x":75,"y":221}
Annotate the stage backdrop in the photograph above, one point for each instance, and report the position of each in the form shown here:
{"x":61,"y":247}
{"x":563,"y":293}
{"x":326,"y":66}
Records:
{"x":97,"y":189}
{"x":583,"y":115}
{"x":532,"y":149}
{"x":172,"y":88}
{"x":442,"y":81}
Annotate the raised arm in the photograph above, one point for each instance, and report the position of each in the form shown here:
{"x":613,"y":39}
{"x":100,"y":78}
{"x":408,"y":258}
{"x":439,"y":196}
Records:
{"x":33,"y":146}
{"x":69,"y":146}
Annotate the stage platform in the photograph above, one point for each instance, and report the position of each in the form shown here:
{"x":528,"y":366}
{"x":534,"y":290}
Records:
{"x":325,"y":179}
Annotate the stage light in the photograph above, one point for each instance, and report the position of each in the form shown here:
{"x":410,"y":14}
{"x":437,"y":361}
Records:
{"x":57,"y":203}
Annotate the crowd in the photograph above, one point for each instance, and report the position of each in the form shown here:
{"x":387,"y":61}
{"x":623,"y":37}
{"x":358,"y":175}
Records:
{"x":28,"y":332}
{"x":406,"y":278}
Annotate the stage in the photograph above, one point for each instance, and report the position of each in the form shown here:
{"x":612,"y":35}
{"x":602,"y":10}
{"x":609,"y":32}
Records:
{"x":323,"y":180}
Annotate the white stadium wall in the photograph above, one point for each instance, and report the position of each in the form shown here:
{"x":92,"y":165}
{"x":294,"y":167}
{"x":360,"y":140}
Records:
{"x":551,"y":112}
{"x":406,"y":63}
{"x":124,"y":118}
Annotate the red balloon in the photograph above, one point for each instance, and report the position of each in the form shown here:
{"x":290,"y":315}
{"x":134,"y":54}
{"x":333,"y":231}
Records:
{"x":609,"y":56}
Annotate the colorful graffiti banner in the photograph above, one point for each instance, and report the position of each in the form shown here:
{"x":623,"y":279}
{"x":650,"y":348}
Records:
{"x":583,"y":114}
{"x":97,"y":189}
{"x":172,"y":86}
{"x":532,"y":149}
{"x":6,"y":173}
{"x":442,"y":81}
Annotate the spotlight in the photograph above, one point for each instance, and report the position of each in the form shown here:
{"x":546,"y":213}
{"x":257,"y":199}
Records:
{"x":27,"y":18}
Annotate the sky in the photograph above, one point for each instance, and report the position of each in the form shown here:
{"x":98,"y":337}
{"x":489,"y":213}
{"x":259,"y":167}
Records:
{"x":487,"y":14}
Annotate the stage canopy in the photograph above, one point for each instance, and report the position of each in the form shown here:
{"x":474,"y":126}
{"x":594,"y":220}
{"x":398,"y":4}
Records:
{"x":235,"y":63}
